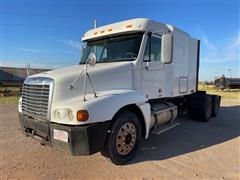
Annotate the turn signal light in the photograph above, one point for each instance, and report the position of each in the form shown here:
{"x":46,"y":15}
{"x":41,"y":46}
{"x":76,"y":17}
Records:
{"x":82,"y":115}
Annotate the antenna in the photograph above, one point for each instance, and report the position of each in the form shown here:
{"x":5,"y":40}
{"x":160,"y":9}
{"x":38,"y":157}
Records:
{"x":95,"y":23}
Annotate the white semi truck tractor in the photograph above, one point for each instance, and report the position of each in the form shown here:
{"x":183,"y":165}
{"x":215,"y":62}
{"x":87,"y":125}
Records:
{"x":134,"y":77}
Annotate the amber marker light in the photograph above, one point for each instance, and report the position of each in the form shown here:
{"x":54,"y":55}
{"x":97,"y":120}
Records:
{"x":95,"y":33}
{"x":129,"y":26}
{"x":82,"y":115}
{"x":109,"y":30}
{"x":102,"y":31}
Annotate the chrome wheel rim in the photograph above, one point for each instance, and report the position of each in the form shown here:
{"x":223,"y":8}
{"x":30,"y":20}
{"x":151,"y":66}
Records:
{"x":126,"y":138}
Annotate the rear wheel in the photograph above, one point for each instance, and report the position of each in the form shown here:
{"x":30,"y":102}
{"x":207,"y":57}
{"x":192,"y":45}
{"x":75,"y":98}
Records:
{"x":206,"y":112}
{"x":124,"y":138}
{"x":203,"y":109}
{"x":215,"y":105}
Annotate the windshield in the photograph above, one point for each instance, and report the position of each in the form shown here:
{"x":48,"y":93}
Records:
{"x":120,"y":48}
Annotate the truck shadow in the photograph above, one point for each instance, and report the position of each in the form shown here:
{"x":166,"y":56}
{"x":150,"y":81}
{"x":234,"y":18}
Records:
{"x":191,"y":136}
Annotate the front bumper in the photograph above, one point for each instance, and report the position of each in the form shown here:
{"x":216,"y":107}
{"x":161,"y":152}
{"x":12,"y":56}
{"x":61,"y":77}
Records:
{"x":82,"y":140}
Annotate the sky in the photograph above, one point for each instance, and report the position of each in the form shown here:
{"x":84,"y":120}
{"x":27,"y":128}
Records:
{"x":47,"y":34}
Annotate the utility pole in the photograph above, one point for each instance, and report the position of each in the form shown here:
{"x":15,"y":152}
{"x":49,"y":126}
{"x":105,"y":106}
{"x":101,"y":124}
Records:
{"x":28,"y":69}
{"x":216,"y":73}
{"x":95,"y":23}
{"x":230,"y":74}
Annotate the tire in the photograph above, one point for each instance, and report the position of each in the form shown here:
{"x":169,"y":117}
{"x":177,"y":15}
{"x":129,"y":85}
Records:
{"x":104,"y":152}
{"x":206,"y":113}
{"x":203,"y":112}
{"x":215,"y":105}
{"x":124,"y":138}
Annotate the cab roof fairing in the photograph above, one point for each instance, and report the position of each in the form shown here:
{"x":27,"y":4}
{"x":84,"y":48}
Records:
{"x":129,"y":26}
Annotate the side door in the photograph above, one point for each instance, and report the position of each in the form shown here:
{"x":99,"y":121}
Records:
{"x":153,"y":68}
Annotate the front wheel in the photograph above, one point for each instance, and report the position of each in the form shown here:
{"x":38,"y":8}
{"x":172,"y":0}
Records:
{"x":124,"y":138}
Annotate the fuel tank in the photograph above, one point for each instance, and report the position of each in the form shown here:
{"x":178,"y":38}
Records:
{"x":162,"y":112}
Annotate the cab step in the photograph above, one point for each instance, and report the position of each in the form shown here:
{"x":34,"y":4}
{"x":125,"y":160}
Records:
{"x":165,"y":127}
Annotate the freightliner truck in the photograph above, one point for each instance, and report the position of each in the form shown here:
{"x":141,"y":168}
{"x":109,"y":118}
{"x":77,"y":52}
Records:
{"x":134,"y":77}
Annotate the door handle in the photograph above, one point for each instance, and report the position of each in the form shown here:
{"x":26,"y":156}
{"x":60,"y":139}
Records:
{"x":146,"y":65}
{"x":155,"y":67}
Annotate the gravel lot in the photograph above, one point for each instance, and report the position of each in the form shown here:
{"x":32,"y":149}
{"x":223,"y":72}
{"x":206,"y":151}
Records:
{"x":192,"y":150}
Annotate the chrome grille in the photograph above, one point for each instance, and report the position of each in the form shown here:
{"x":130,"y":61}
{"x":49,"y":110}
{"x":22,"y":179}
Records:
{"x":36,"y":97}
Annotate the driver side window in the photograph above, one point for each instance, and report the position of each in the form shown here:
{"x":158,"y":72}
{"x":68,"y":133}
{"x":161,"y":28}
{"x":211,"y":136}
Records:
{"x":153,"y":49}
{"x":97,"y":49}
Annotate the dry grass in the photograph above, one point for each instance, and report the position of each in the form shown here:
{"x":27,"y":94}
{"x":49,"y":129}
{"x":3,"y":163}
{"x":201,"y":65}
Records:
{"x":9,"y":100}
{"x":233,"y":94}
{"x":226,"y":94}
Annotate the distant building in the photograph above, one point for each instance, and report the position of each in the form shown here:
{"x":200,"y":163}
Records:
{"x":11,"y":76}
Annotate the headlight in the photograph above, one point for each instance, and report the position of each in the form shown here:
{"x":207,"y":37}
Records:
{"x":70,"y":114}
{"x":64,"y":114}
{"x":20,"y":105}
{"x":59,"y":114}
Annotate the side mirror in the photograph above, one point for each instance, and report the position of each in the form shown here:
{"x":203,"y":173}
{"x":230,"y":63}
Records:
{"x":92,"y":59}
{"x":167,"y":47}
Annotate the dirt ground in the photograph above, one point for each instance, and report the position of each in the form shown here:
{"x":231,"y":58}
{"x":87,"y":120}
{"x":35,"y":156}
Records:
{"x":192,"y":150}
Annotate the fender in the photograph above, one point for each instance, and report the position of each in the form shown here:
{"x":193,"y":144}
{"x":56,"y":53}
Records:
{"x":106,"y":105}
{"x":111,"y":103}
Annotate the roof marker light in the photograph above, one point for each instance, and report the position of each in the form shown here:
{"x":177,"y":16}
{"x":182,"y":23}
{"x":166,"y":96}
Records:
{"x":102,"y":31}
{"x":95,"y":33}
{"x":110,"y":29}
{"x":129,"y":26}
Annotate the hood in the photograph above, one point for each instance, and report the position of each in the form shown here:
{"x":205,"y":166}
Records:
{"x":104,"y":76}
